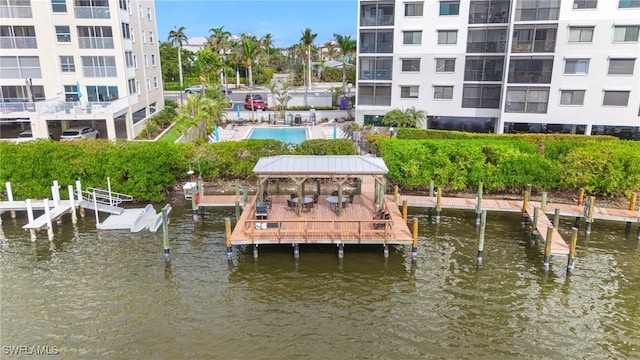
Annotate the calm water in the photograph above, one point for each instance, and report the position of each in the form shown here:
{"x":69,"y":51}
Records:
{"x":110,"y":294}
{"x":285,"y":135}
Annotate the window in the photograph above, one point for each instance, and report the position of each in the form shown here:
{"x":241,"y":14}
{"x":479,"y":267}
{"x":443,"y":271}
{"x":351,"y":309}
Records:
{"x":410,"y":65}
{"x":443,"y":92}
{"x":624,"y":4}
{"x":409,"y":92}
{"x":146,"y":62}
{"x":18,"y":37}
{"x":527,"y":100}
{"x":138,"y":91}
{"x":63,"y":34}
{"x":132,"y":33}
{"x":155,"y":82}
{"x":412,"y":37}
{"x":481,"y":96}
{"x":576,"y":66}
{"x":153,"y":59}
{"x":148,"y":84}
{"x":483,"y":68}
{"x":95,"y":37}
{"x":621,"y":66}
{"x":102,"y":93}
{"x":144,"y":39}
{"x":126,"y":31}
{"x":530,"y":10}
{"x":128,"y":58}
{"x":449,"y":7}
{"x":615,"y":98}
{"x":70,"y":93}
{"x":59,"y":6}
{"x":20,"y":67}
{"x":140,"y":11}
{"x":445,"y":65}
{"x":447,"y":36}
{"x":135,"y":61}
{"x":413,"y":9}
{"x":123,"y":4}
{"x":572,"y":97}
{"x":376,"y":68}
{"x":150,"y":37}
{"x":132,"y":86}
{"x":486,"y":40}
{"x":19,"y":93}
{"x":625,"y":33}
{"x":585,"y":4}
{"x":581,"y":34}
{"x":99,"y":66}
{"x":148,"y":13}
{"x":67,"y":64}
{"x":531,"y":70}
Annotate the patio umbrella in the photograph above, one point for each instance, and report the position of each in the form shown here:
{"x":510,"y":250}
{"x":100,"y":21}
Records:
{"x":78,"y":91}
{"x":216,"y":133}
{"x":238,"y":111}
{"x":335,"y":131}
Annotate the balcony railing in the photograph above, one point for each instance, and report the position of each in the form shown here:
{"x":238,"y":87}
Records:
{"x":485,"y":47}
{"x":374,"y":100}
{"x":13,"y":42}
{"x":530,"y":77}
{"x":380,"y":20}
{"x":484,"y":18}
{"x":92,"y":12}
{"x":15,"y":11}
{"x":95,"y":42}
{"x":482,"y":75}
{"x":537,"y":14}
{"x":375,"y":75}
{"x":533,"y":46}
{"x":94,"y":71}
{"x":372,"y":48}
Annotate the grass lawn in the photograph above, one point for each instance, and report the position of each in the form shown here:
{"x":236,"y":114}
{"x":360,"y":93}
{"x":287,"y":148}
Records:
{"x":170,"y":136}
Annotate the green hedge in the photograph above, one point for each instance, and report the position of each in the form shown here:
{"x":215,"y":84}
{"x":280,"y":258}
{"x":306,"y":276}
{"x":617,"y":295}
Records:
{"x":427,"y":134}
{"x":605,"y":167}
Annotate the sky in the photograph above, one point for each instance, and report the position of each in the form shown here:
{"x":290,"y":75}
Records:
{"x":284,"y":19}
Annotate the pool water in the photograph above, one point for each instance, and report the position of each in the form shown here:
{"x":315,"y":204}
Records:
{"x":286,"y":135}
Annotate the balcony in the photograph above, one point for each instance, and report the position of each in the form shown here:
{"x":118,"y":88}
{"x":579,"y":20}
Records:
{"x":379,"y":74}
{"x":374,"y":100}
{"x":485,"y":18}
{"x":373,"y":48}
{"x":486,"y":47}
{"x":530,"y":77}
{"x":15,"y":11}
{"x":380,"y":20}
{"x":483,"y":75}
{"x":13,"y":42}
{"x":536,"y":46}
{"x":91,"y":12}
{"x":95,"y":42}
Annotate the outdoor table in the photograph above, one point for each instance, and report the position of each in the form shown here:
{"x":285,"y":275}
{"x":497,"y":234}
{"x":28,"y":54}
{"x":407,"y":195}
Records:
{"x":333,"y":200}
{"x":305,"y":200}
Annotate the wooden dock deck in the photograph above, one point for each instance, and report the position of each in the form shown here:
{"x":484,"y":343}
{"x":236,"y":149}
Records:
{"x":218,"y":200}
{"x":558,"y":245}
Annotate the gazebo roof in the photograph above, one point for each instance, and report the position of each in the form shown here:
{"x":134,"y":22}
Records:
{"x":320,"y":165}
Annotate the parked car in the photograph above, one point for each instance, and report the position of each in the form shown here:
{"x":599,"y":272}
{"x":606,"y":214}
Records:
{"x":255,"y":96}
{"x":258,"y":104}
{"x":79,"y":133}
{"x":195,"y":89}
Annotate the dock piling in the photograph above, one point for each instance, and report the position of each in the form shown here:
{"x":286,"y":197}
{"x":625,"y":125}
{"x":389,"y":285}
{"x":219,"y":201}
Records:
{"x":10,"y":198}
{"x":340,"y":251}
{"x":525,"y":203}
{"x":632,"y":207}
{"x":405,"y":210}
{"x":32,"y":232}
{"x":194,"y":204}
{"x":438,"y":205}
{"x":227,"y":233}
{"x":48,"y":217}
{"x":395,"y":194}
{"x":543,"y":201}
{"x":590,"y":208}
{"x":414,"y":245}
{"x":572,"y":250}
{"x":74,"y":215}
{"x":165,"y":232}
{"x":255,"y":251}
{"x":483,"y":223}
{"x":580,"y":196}
{"x":547,"y":248}
{"x":556,"y":218}
{"x":296,"y":251}
{"x":479,"y":203}
{"x":385,"y":250}
{"x":534,"y":226}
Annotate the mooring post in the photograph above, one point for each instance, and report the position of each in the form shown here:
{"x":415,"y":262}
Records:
{"x":165,"y":233}
{"x":479,"y":203}
{"x":438,"y":205}
{"x":385,"y":250}
{"x":525,"y":203}
{"x":255,"y":251}
{"x":405,"y":210}
{"x":591,"y":206}
{"x":32,"y":232}
{"x":74,"y":216}
{"x":79,"y":194}
{"x":580,"y":196}
{"x":47,"y":213}
{"x":483,"y":223}
{"x":543,"y":201}
{"x":296,"y":251}
{"x":227,"y":233}
{"x":395,"y":194}
{"x":547,"y":248}
{"x":632,"y":207}
{"x":340,"y":251}
{"x":534,"y":226}
{"x":1,"y":231}
{"x":556,"y":218}
{"x":10,"y":198}
{"x":194,"y":204}
{"x":572,"y":250}
{"x":414,"y":245}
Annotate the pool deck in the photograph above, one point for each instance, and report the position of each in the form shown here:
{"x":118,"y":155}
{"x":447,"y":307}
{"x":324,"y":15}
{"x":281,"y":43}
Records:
{"x":317,"y":131}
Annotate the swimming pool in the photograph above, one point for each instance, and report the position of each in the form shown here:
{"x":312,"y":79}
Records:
{"x":286,"y":135}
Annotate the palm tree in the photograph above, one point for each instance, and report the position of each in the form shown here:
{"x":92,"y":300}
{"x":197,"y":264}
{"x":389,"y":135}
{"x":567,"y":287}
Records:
{"x":347,"y":47}
{"x":331,"y":50}
{"x":307,"y":40}
{"x":266,"y":43}
{"x":416,"y":116}
{"x":178,"y":37}
{"x":200,"y":114}
{"x":399,"y":118}
{"x":220,"y":44}
{"x":250,"y":51}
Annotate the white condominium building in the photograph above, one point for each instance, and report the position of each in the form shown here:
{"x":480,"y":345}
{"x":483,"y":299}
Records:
{"x":500,"y":65}
{"x":73,"y":63}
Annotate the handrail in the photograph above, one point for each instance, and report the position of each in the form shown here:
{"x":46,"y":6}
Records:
{"x":250,"y":227}
{"x":105,"y":197}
